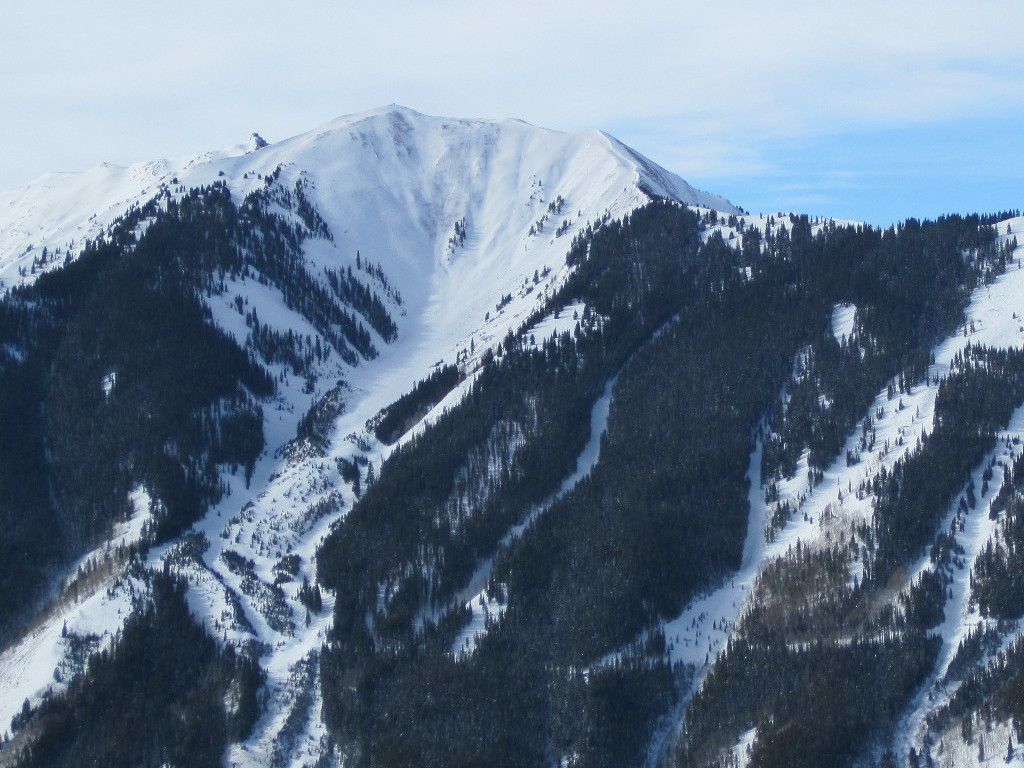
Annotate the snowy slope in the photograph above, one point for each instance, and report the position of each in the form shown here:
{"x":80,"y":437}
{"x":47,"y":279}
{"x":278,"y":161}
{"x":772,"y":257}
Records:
{"x":826,"y":513}
{"x":468,"y":222}
{"x":411,"y":173}
{"x":391,"y":184}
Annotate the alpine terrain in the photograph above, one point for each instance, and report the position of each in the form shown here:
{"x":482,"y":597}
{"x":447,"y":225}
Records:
{"x":414,"y":441}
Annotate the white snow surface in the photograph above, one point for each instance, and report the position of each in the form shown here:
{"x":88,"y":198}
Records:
{"x":396,"y":180}
{"x":843,"y":318}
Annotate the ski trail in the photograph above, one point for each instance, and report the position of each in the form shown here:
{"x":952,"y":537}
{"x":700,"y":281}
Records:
{"x":692,"y":641}
{"x":702,"y":630}
{"x":960,"y":617}
{"x":475,"y":595}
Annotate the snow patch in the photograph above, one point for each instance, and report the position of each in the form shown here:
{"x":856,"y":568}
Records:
{"x":108,"y":382}
{"x":843,"y":318}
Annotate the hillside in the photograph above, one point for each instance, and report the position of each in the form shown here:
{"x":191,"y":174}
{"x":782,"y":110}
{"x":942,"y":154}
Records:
{"x":423,"y":441}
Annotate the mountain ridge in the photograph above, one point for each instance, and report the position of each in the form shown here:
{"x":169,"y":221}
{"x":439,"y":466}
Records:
{"x":106,"y":190}
{"x":461,"y":253}
{"x":512,"y":455}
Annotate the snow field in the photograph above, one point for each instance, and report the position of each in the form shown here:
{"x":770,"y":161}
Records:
{"x":843,"y":318}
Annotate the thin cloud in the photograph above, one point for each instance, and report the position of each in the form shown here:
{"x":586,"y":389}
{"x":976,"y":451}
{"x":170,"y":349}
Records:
{"x":711,"y":90}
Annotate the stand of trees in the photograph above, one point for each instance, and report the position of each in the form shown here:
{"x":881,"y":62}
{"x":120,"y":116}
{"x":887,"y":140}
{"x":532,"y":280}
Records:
{"x":165,"y":694}
{"x":121,"y":381}
{"x":910,"y":285}
{"x":399,"y":417}
{"x":983,"y":389}
{"x":114,"y":376}
{"x":998,"y":583}
{"x":701,"y":337}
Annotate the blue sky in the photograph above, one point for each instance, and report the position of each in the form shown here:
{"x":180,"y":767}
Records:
{"x":874,"y":111}
{"x":887,"y":174}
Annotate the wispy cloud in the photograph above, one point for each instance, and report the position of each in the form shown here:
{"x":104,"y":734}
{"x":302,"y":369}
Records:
{"x":709,"y":91}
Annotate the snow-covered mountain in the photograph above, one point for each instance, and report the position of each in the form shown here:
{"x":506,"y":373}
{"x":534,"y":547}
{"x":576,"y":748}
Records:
{"x":390,"y":182}
{"x":517,"y":450}
{"x":460,"y":213}
{"x":461,"y":226}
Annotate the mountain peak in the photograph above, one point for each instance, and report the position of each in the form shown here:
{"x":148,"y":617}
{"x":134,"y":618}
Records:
{"x":256,"y":142}
{"x":397,"y":167}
